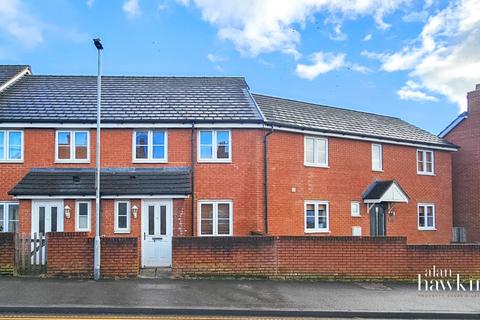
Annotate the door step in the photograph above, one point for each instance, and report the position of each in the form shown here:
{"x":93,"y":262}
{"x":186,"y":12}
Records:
{"x":156,"y":273}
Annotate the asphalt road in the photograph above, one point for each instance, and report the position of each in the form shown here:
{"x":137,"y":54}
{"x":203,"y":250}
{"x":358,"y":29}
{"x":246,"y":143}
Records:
{"x":230,"y":296}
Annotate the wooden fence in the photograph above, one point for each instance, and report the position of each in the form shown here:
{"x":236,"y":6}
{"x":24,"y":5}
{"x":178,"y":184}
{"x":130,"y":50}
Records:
{"x":30,"y":254}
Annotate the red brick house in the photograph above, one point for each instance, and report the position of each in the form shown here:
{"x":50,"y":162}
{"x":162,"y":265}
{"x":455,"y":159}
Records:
{"x":465,"y":132}
{"x":202,"y":156}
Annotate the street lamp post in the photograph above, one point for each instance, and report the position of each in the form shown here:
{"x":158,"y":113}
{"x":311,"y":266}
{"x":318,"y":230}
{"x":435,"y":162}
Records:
{"x":96,"y":253}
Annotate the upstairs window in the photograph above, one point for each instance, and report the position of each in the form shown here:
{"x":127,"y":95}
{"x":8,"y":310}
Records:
{"x":377,"y":160}
{"x":426,"y":216}
{"x":214,"y":146}
{"x":72,"y":146}
{"x":425,"y":162}
{"x":11,"y":145}
{"x":316,"y":216}
{"x":316,"y":152}
{"x":150,"y":146}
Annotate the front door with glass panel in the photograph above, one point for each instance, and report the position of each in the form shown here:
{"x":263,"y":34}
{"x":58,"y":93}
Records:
{"x":47,"y":216}
{"x":156,"y":233}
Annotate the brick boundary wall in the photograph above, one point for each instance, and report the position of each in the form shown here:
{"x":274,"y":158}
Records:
{"x":318,"y":257}
{"x":119,"y":257}
{"x":70,"y":254}
{"x":7,"y":253}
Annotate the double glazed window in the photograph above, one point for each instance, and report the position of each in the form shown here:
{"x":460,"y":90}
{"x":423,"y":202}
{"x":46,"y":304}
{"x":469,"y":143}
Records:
{"x":425,"y":162}
{"x":316,"y":216}
{"x":150,"y":146}
{"x":316,"y":152}
{"x":215,"y":218}
{"x":426,"y":216}
{"x":72,"y":146}
{"x":122,"y":216}
{"x":83,"y":216}
{"x":214,"y":146}
{"x":377,"y":164}
{"x":8,"y":217}
{"x":11,"y":145}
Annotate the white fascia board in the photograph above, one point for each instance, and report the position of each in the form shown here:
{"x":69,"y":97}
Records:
{"x":452,"y":126}
{"x":27,"y":197}
{"x":232,"y":125}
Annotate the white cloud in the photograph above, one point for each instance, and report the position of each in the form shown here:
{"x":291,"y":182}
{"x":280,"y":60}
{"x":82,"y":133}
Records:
{"x":417,"y":16}
{"x":216,"y":58}
{"x":256,"y":27}
{"x":90,"y":3}
{"x":445,"y":57}
{"x":412,"y":91}
{"x":321,"y":63}
{"x":367,"y":37}
{"x":132,"y":8}
{"x":17,"y":22}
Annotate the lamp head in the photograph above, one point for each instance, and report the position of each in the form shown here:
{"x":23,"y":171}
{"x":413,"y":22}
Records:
{"x":98,"y":43}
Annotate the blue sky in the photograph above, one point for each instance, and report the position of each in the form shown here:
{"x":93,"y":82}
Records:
{"x":411,"y":59}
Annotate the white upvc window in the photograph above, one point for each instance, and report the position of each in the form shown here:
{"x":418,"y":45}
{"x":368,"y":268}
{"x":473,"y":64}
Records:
{"x":357,"y":231}
{"x":11,"y":146}
{"x":214,"y":146}
{"x":316,"y":216}
{"x":8,"y":216}
{"x":316,"y":152}
{"x":377,"y":157}
{"x":72,"y":146}
{"x":425,"y":162}
{"x":150,"y":146}
{"x":355,"y":208}
{"x":122,"y":216}
{"x":215,"y":218}
{"x":426,"y":216}
{"x":83,"y":216}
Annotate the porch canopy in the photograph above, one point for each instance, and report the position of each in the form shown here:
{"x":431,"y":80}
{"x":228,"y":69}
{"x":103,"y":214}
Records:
{"x":114,"y":182}
{"x":385,"y":191}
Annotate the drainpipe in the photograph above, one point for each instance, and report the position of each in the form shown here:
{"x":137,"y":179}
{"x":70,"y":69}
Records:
{"x":265,"y":178}
{"x":192,"y":151}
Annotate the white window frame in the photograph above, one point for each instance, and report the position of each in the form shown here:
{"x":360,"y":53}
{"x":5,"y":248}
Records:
{"x":77,"y":215}
{"x":426,"y":227}
{"x":116,"y":228}
{"x":357,"y":204}
{"x":380,"y":150}
{"x":6,"y":210}
{"x":214,"y":146}
{"x":424,"y":166}
{"x":215,"y":204}
{"x":149,"y":158}
{"x":4,"y":157}
{"x":315,"y":162}
{"x":316,"y":203}
{"x":73,"y":155}
{"x":357,"y":229}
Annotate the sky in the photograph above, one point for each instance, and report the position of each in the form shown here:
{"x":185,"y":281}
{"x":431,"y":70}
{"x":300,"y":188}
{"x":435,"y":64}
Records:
{"x":410,"y":59}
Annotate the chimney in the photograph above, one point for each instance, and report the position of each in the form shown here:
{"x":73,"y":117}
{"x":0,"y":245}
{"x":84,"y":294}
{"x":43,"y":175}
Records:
{"x":473,"y":98}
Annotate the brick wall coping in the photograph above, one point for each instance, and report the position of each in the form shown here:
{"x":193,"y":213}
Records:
{"x":67,"y":234}
{"x":451,"y":246}
{"x":246,"y":239}
{"x":6,"y":236}
{"x":111,"y":239}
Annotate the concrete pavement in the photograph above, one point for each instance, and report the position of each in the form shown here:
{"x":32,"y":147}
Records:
{"x":234,"y":297}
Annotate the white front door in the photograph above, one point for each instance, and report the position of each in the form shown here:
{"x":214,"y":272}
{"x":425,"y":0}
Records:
{"x":47,"y":216}
{"x":156,"y":233}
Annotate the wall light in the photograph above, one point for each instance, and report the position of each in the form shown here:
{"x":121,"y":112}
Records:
{"x":67,"y":212}
{"x":134,"y":211}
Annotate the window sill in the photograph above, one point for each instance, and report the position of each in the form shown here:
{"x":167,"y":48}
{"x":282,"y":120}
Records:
{"x":11,"y":161}
{"x":425,"y":174}
{"x":214,"y":161}
{"x":82,"y":230}
{"x":150,"y":161}
{"x":311,"y":165}
{"x":373,"y":170}
{"x":72,"y":161}
{"x":214,"y":235}
{"x":357,"y":216}
{"x":122,"y":231}
{"x":317,"y":231}
{"x":427,"y":229}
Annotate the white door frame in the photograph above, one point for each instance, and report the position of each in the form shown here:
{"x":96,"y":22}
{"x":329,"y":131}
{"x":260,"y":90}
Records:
{"x":35,"y":218}
{"x":144,"y":212}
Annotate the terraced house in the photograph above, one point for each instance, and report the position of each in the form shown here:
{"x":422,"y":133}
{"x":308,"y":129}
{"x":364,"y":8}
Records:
{"x":203,"y":156}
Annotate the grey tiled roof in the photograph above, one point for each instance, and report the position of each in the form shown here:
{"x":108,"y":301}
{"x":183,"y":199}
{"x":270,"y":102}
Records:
{"x":303,"y":115}
{"x":81,"y":182}
{"x":7,"y":72}
{"x":42,"y":98}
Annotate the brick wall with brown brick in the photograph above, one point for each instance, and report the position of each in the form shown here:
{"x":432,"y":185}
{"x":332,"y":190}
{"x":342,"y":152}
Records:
{"x":7,"y":253}
{"x":466,"y":169}
{"x":70,"y":254}
{"x":318,"y":257}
